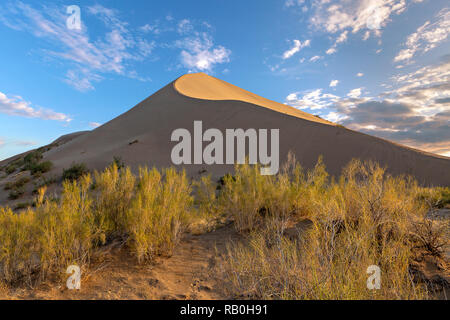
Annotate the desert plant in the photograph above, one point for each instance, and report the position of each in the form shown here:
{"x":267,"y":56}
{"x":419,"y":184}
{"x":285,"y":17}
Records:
{"x":158,"y":213}
{"x":41,"y":168}
{"x":364,"y":219}
{"x":114,"y":192}
{"x":16,"y":193}
{"x":76,"y":171}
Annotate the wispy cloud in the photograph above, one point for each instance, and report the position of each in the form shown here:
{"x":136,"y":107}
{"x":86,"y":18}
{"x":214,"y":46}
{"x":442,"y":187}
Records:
{"x":315,"y":58}
{"x":198,"y":52}
{"x":334,"y":83}
{"x":314,"y":99}
{"x":340,"y":17}
{"x":415,"y":112}
{"x":427,"y":36}
{"x":17,"y":106}
{"x":298,"y":45}
{"x":88,"y":59}
{"x":21,"y":143}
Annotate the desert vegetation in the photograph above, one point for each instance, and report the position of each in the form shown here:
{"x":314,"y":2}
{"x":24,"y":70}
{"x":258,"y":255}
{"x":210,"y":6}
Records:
{"x":305,"y":235}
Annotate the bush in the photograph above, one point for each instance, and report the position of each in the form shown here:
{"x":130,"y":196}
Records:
{"x":366,"y":218}
{"x":76,"y":171}
{"x":157,"y":215}
{"x":11,"y":168}
{"x":16,"y":193}
{"x":31,"y":160}
{"x":41,"y":168}
{"x":19,"y":183}
{"x":49,"y":238}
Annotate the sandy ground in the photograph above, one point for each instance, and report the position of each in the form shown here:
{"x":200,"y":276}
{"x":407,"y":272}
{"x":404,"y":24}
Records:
{"x":188,"y":274}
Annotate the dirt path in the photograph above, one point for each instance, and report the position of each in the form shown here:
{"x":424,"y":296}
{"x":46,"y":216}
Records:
{"x":185,"y":275}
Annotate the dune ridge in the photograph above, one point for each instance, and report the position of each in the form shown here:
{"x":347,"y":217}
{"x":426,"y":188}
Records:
{"x":205,"y":87}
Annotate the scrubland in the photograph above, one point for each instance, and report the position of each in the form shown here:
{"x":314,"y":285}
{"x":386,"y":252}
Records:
{"x":305,"y":235}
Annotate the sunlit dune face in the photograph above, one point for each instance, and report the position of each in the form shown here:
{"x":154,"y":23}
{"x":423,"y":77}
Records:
{"x":203,"y":86}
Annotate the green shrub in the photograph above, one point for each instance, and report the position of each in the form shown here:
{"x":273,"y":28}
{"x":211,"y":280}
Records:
{"x":11,"y":168}
{"x":16,"y":193}
{"x":76,"y":171}
{"x":32,"y":159}
{"x":41,"y":168}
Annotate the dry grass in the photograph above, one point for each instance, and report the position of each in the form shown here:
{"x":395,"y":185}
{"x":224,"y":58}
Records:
{"x":364,"y":218}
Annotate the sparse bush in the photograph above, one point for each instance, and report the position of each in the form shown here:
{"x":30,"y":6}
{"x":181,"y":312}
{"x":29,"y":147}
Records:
{"x":366,"y":218}
{"x":158,"y":213}
{"x":47,"y":239}
{"x":41,"y":168}
{"x":16,"y":193}
{"x":19,"y":183}
{"x":43,"y":182}
{"x":76,"y":171}
{"x":115,"y":191}
{"x":119,"y":163}
{"x":32,"y":158}
{"x":11,"y":168}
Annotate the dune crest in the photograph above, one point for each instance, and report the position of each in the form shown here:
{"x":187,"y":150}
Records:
{"x":205,"y":87}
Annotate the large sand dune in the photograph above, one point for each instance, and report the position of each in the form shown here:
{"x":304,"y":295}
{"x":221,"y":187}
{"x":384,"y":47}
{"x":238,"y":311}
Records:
{"x":142,"y":135}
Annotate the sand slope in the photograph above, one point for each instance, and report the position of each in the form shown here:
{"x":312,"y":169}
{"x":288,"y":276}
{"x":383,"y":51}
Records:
{"x":141,"y":136}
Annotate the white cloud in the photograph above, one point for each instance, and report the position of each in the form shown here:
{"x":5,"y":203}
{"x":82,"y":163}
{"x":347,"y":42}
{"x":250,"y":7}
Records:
{"x":184,"y":26}
{"x":427,"y":37}
{"x":370,"y":16}
{"x":148,"y":28}
{"x":88,"y":59}
{"x":292,"y":3}
{"x":315,"y":58}
{"x":355,"y":93}
{"x":199,"y":53}
{"x":334,"y":15}
{"x":335,"y":117}
{"x":298,"y":45}
{"x":334,"y":83}
{"x":360,"y":74}
{"x":16,"y":106}
{"x":331,"y":50}
{"x":314,"y":100}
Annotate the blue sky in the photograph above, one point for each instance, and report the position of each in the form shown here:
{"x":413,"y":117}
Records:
{"x":378,"y":66}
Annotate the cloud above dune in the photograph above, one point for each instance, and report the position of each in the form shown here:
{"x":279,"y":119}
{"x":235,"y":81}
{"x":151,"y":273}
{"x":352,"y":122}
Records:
{"x":414,"y":112}
{"x":339,"y":18}
{"x":200,"y":54}
{"x":118,"y":50}
{"x":427,"y":36}
{"x":17,"y":106}
{"x":87,"y":59}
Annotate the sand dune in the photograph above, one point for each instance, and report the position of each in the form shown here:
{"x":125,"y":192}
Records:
{"x":142,"y":135}
{"x":203,"y":86}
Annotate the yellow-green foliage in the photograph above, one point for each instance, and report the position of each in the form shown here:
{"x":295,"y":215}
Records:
{"x":149,"y":215}
{"x":363,"y":218}
{"x":367,"y":218}
{"x":158,"y":211}
{"x":49,"y":238}
{"x":114,"y":191}
{"x":208,"y":211}
{"x":16,"y":244}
